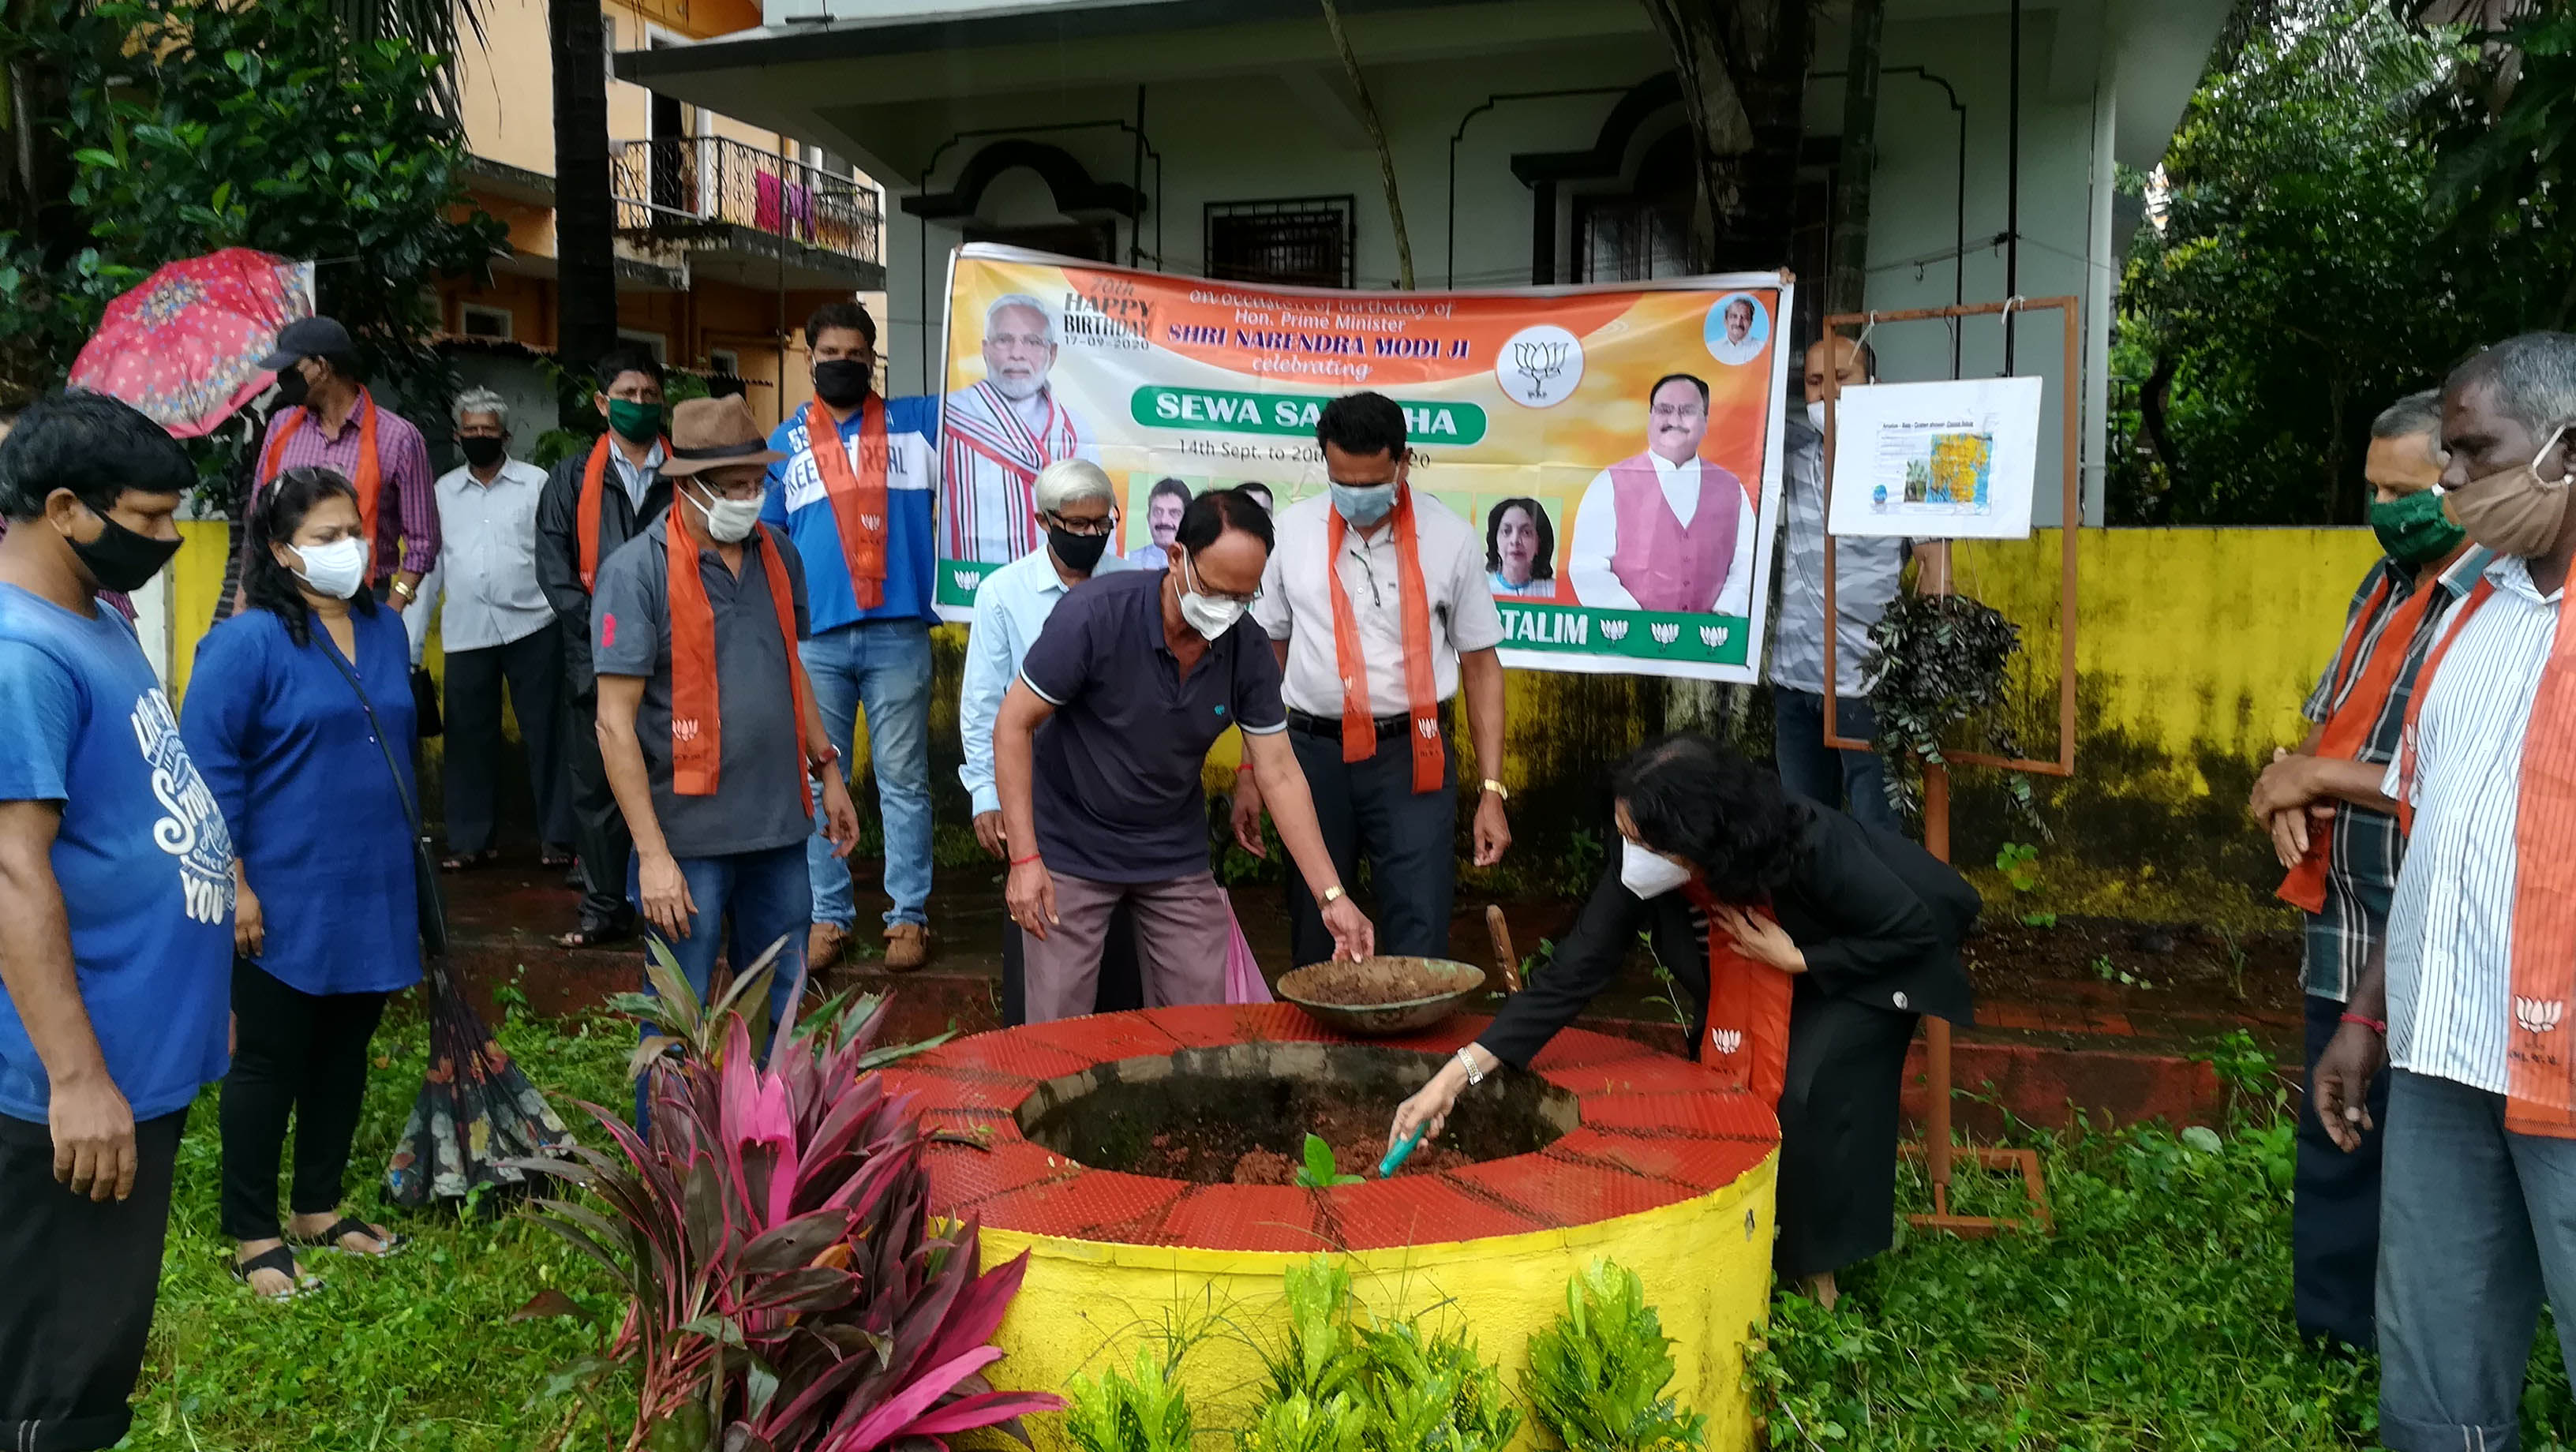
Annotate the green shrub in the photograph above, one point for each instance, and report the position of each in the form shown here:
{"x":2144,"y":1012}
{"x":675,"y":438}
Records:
{"x":1386,"y":1382}
{"x":1145,"y":1412}
{"x":1597,"y":1373}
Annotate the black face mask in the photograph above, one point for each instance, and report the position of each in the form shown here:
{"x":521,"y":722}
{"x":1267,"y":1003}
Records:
{"x":292,"y":385}
{"x":1080,"y":553}
{"x":121,"y":560}
{"x":842,"y":382}
{"x":481,"y":450}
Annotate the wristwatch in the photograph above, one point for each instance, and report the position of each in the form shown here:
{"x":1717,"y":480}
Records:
{"x":1467,"y":1061}
{"x":1498,"y":789}
{"x":817,"y":765}
{"x":1332,"y":894}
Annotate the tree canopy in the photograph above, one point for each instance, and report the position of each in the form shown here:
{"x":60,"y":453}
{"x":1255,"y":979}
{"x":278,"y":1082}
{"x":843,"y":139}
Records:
{"x":2307,"y":271}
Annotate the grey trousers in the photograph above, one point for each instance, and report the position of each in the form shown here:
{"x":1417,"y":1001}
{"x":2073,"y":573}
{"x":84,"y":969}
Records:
{"x":2477,"y":1225}
{"x":1183,"y":927}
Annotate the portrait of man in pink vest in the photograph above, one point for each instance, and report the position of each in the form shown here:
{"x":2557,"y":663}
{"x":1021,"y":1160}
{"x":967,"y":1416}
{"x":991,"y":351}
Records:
{"x":1666,"y":530}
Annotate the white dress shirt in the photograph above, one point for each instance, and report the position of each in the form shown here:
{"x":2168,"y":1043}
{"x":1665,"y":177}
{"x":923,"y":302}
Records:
{"x":1596,"y":537}
{"x":1296,"y":604}
{"x":1011,"y":607}
{"x":2450,"y":925}
{"x":636,"y":478}
{"x":488,"y":557}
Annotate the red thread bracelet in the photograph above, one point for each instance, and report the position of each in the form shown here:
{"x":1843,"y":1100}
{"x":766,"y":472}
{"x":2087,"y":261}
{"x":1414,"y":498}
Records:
{"x":2377,"y":1026}
{"x":1025,"y":861}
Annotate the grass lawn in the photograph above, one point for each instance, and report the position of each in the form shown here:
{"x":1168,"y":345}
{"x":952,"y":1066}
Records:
{"x":2156,"y":1317}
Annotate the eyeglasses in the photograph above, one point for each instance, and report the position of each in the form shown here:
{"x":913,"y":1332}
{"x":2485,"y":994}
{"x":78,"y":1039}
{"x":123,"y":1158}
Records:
{"x":1082,"y":528}
{"x":1198,"y":586}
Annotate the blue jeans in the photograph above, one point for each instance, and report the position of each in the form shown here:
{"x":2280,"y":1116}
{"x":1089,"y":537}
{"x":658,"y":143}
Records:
{"x":883,"y":669}
{"x":745,"y":903}
{"x":2476,"y":1225}
{"x":1853,"y":781}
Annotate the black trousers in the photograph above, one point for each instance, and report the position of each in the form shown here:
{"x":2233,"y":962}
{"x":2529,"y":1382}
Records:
{"x":1838,"y":1122}
{"x":533,"y":668}
{"x":1369,"y":808}
{"x":2334,"y":1210}
{"x":77,"y":1282}
{"x":599,"y":829}
{"x":1121,"y":984}
{"x":298,"y":1054}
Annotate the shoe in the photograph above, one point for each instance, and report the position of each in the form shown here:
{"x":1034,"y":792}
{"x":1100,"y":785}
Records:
{"x":824,"y":945}
{"x":907,"y":947}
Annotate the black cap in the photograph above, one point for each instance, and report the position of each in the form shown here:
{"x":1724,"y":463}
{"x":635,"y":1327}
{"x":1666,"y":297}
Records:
{"x":308,"y":338}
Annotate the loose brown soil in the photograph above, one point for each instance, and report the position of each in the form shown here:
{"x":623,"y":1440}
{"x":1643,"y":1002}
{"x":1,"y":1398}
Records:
{"x":2016,"y":962}
{"x":1371,"y":982}
{"x":1213,"y":1153}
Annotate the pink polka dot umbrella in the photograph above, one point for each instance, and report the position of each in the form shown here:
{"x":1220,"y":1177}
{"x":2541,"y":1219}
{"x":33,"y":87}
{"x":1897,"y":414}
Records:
{"x":184,"y":347}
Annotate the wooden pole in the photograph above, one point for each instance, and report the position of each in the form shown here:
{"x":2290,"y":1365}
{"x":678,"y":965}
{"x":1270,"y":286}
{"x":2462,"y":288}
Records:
{"x":1936,"y":1029}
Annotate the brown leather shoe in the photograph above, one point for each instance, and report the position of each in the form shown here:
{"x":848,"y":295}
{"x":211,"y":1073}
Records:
{"x":824,"y":945}
{"x":907,"y":947}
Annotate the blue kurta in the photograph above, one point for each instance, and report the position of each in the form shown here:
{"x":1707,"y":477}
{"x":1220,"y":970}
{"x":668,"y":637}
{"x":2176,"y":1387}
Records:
{"x":283,"y":744}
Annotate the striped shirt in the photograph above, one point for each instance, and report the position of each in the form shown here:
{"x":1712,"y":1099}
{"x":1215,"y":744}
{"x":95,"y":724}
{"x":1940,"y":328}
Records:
{"x":2363,"y":846}
{"x":2450,"y":926}
{"x":1867,"y":575}
{"x":403,"y":475}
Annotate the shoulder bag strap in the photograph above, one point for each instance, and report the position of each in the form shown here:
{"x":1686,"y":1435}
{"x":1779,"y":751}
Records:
{"x":433,"y":906}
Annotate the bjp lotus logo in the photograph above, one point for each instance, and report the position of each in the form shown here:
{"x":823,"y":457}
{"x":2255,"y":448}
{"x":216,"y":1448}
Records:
{"x":872,"y":522}
{"x":1430,"y":729}
{"x":684,"y":729}
{"x":1712,"y":636}
{"x":1726,"y":1041}
{"x":967,"y":579}
{"x":1614,"y":630}
{"x":1665,"y":632}
{"x":2537,"y":1016}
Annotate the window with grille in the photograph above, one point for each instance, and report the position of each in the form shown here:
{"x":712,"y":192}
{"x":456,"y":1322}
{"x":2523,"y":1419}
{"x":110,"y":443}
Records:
{"x":1303,"y":241}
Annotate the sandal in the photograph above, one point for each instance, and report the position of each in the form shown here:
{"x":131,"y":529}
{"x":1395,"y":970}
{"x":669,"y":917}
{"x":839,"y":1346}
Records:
{"x":330,"y":1237}
{"x":470,"y":861}
{"x":554,"y":858}
{"x":596,"y":935}
{"x":280,"y":1259}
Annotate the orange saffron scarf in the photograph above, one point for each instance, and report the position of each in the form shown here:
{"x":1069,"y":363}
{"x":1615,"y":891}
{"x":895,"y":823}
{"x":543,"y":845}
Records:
{"x":2348,"y":728}
{"x":2540,"y":1084}
{"x":371,"y":472}
{"x":594,"y":479}
{"x":1359,"y":728}
{"x":697,"y":715}
{"x":858,"y":495}
{"x":1748,"y":1010}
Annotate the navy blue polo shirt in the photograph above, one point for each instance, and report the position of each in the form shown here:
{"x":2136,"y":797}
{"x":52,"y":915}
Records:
{"x":1118,"y":765}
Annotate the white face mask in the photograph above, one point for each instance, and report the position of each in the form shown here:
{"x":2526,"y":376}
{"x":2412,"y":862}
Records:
{"x":336,"y":569}
{"x":729,"y":521}
{"x":1816,"y":415}
{"x":1648,"y":874}
{"x":1209,"y":616}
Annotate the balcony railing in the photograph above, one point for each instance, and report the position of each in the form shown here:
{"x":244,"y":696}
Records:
{"x":672,"y":183}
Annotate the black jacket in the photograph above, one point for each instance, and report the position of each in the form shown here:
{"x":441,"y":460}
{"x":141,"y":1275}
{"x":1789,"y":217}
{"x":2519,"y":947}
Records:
{"x":1879,"y":919}
{"x":559,"y":552}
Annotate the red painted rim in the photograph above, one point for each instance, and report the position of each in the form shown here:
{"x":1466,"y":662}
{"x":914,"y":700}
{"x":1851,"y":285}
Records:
{"x":1654,"y":1130}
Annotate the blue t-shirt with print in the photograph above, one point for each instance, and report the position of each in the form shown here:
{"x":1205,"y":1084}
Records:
{"x":142,"y":856}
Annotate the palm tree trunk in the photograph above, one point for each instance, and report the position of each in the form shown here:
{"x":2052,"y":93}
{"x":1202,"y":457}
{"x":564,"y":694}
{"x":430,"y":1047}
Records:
{"x":1847,"y":283}
{"x":1743,"y":70}
{"x":585,"y":218}
{"x":1377,"y":137}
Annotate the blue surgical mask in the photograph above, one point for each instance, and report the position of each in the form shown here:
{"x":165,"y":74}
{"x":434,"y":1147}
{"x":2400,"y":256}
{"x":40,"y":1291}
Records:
{"x":1363,"y":504}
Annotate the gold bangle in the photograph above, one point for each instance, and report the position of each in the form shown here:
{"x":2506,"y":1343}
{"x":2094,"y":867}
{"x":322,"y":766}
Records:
{"x":1332,"y":895}
{"x":1498,"y":789}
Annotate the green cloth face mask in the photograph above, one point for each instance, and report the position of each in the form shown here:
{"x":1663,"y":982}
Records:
{"x":2413,"y":529}
{"x":637,"y":423}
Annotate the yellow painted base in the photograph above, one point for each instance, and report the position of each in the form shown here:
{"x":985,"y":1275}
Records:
{"x":1088,"y":1305}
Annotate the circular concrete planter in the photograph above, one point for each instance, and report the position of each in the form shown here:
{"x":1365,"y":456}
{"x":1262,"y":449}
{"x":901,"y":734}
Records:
{"x":1644,"y":1162}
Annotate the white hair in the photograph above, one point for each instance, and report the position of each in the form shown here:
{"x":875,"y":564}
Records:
{"x":1071,"y":481}
{"x":1022,"y":300}
{"x":481,"y":400}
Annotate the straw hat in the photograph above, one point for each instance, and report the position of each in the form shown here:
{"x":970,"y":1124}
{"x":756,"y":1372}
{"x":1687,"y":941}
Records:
{"x":715,"y":433}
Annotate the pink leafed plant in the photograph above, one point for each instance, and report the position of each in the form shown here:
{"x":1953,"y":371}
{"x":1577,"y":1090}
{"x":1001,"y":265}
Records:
{"x":787,"y":1289}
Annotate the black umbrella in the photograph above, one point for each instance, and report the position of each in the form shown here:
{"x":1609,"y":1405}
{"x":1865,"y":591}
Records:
{"x":475,"y":1114}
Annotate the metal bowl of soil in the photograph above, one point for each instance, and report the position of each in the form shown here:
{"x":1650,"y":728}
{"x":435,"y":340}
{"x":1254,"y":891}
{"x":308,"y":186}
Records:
{"x":1377,"y":996}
